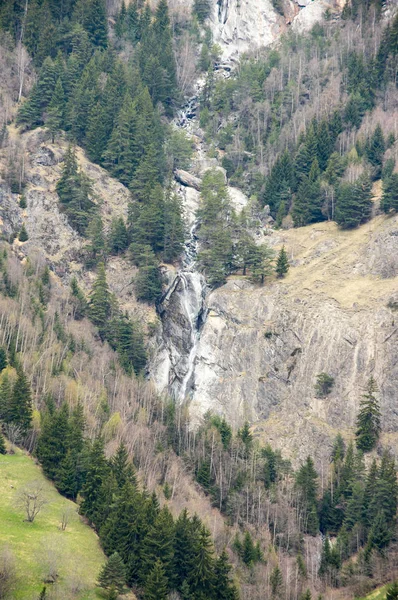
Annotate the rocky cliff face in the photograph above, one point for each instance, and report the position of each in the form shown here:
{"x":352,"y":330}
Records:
{"x":261,"y":348}
{"x":242,"y":25}
{"x":50,"y":234}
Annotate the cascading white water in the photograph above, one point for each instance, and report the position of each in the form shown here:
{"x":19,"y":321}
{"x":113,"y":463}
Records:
{"x":183,"y":307}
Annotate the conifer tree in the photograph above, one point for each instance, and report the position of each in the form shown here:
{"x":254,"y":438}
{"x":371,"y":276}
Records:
{"x":118,"y":237}
{"x":96,"y":23}
{"x":5,"y":397}
{"x":55,"y":110}
{"x":52,"y":443}
{"x":306,"y":482}
{"x":29,"y":113}
{"x":122,"y":467}
{"x":128,"y":341}
{"x":79,"y":300}
{"x":202,"y":576}
{"x":100,"y":304}
{"x":3,"y":449}
{"x":159,"y":545}
{"x":119,"y":154}
{"x":148,"y":283}
{"x":389,"y":199}
{"x":156,"y":586}
{"x":3,"y":359}
{"x":392,"y":591}
{"x":97,"y":249}
{"x":282,"y":264}
{"x":375,"y":149}
{"x":201,"y":9}
{"x":380,"y":533}
{"x":74,"y":191}
{"x":368,"y":420}
{"x":184,"y":548}
{"x":174,"y":228}
{"x":20,"y":405}
{"x":353,"y":203}
{"x":67,"y":476}
{"x":125,"y":529}
{"x":248,"y":552}
{"x":276,"y":581}
{"x":224,"y":588}
{"x":23,"y":234}
{"x":46,"y":82}
{"x":113,"y":574}
{"x":96,"y":474}
{"x":259,"y":260}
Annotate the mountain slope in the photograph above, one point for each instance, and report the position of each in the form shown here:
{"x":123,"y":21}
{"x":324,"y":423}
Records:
{"x":40,"y":547}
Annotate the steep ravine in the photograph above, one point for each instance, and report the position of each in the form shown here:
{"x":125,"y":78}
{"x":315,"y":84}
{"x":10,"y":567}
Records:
{"x":253,"y":353}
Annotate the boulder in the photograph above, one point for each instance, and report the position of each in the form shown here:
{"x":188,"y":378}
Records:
{"x":187,"y":179}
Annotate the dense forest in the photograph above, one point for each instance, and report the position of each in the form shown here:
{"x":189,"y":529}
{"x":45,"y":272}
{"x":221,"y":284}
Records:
{"x":302,"y":127}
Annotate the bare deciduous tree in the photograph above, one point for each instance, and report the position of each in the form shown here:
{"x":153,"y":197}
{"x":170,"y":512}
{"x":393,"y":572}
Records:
{"x":67,"y":515}
{"x":32,"y":499}
{"x":14,"y":435}
{"x":7,"y":572}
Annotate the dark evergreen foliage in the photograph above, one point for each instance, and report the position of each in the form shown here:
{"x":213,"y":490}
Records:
{"x":368,"y":420}
{"x":282,"y":264}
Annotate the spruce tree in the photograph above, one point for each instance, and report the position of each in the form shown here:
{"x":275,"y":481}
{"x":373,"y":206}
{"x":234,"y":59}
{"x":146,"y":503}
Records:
{"x":129,"y":344}
{"x":119,"y":154}
{"x":380,"y":533}
{"x":113,"y":574}
{"x":122,"y":467}
{"x":97,"y":248}
{"x":3,"y":449}
{"x":389,"y":199}
{"x":3,"y":359}
{"x":282,"y":263}
{"x":375,"y":149}
{"x":118,"y":237}
{"x":79,"y":301}
{"x":156,"y":585}
{"x":148,"y":282}
{"x":96,"y":474}
{"x":29,"y":113}
{"x":23,"y":234}
{"x":224,"y":588}
{"x":306,"y":482}
{"x":20,"y":405}
{"x":159,"y":545}
{"x":55,"y":110}
{"x":96,"y":23}
{"x":276,"y":582}
{"x":174,"y":228}
{"x":368,"y":419}
{"x":184,"y":542}
{"x":201,"y":9}
{"x":74,"y":191}
{"x":248,"y":553}
{"x":100,"y":303}
{"x":67,"y":476}
{"x":353,"y":203}
{"x":5,"y":397}
{"x":52,"y":444}
{"x":202,"y":576}
{"x":392,"y":591}
{"x":259,"y":260}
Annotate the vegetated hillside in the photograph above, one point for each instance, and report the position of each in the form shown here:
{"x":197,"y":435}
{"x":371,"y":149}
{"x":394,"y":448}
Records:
{"x":71,"y":346}
{"x":69,"y":559}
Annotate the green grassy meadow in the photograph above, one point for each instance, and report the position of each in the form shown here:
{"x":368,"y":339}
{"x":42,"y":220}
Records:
{"x":75,"y":552}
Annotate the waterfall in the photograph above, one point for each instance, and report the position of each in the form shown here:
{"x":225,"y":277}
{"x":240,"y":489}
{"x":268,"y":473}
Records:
{"x":182,"y":309}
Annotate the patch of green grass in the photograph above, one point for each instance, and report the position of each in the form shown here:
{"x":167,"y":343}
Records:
{"x":378,"y":594}
{"x":75,"y":551}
